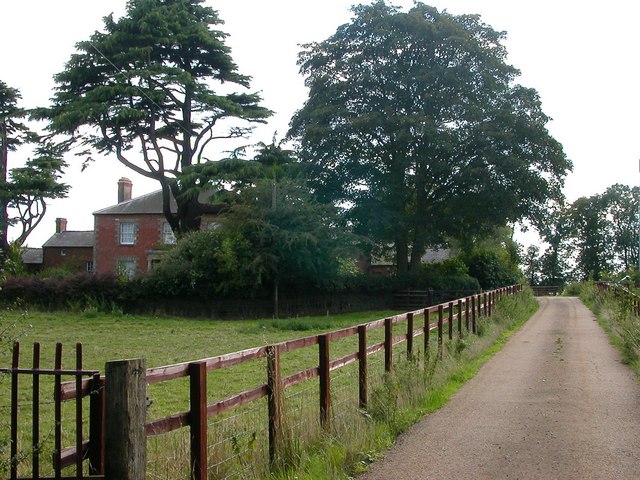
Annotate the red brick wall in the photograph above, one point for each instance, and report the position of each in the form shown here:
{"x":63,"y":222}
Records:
{"x":75,"y":257}
{"x":108,"y":250}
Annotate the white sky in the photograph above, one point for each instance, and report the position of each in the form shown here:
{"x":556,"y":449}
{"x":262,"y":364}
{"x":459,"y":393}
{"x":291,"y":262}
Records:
{"x":582,"y":57}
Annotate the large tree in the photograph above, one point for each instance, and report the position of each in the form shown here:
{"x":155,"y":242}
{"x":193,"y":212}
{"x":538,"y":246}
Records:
{"x":24,"y":190}
{"x":591,"y":237}
{"x":143,"y":91}
{"x":622,"y":203}
{"x":414,"y":124}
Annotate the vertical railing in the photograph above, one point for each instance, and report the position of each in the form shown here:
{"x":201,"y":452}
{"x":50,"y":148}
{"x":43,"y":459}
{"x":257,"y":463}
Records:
{"x":62,"y":457}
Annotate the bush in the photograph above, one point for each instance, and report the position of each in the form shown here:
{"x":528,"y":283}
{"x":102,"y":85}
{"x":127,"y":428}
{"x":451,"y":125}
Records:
{"x":78,"y":291}
{"x":492,"y":268}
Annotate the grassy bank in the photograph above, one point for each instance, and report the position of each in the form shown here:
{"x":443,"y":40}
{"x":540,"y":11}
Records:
{"x":414,"y":389}
{"x":616,"y":318}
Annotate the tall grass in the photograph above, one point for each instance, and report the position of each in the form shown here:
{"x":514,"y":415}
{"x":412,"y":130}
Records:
{"x":238,"y":439}
{"x":617,"y":318}
{"x":415,"y":387}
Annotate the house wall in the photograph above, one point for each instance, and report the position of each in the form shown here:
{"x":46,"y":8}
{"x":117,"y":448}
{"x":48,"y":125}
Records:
{"x":147,"y":248}
{"x":109,"y":252}
{"x":74,"y":257}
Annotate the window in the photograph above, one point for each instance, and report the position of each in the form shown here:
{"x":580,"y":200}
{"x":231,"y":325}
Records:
{"x":63,"y":252}
{"x":127,"y":233}
{"x":90,"y":266}
{"x":168,"y":238}
{"x":127,"y":268}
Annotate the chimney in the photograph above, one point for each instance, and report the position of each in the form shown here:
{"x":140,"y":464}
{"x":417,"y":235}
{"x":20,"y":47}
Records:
{"x":61,"y":225}
{"x":124,"y":189}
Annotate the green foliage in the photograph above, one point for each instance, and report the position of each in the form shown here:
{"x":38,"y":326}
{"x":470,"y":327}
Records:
{"x":616,"y":315}
{"x":413,"y":120}
{"x":493,"y":268}
{"x":24,"y":190}
{"x":147,"y":84}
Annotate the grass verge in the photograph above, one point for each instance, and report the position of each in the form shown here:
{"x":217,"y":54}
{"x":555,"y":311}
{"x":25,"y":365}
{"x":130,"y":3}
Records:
{"x":616,"y":318}
{"x":415,"y":388}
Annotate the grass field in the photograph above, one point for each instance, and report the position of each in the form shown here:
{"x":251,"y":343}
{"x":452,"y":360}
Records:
{"x":163,"y":341}
{"x":237,"y":439}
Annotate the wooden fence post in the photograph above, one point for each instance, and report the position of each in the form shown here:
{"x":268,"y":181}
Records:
{"x":466,"y":314}
{"x":198,"y":419}
{"x":274,"y":386}
{"x":459,"y":318}
{"x":440,"y":327}
{"x":362,"y":366}
{"x":427,"y":332}
{"x":450,"y":321}
{"x":486,"y":307}
{"x":473,"y":314}
{"x":409,"y":336}
{"x":325,"y":381}
{"x":125,"y":438}
{"x":96,"y":426}
{"x":388,"y":344}
{"x":15,"y":363}
{"x":492,"y":296}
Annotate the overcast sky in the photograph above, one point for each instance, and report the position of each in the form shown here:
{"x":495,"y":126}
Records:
{"x":582,"y":57}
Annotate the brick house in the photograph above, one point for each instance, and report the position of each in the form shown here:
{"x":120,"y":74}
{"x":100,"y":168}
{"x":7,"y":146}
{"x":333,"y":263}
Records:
{"x":69,"y":249}
{"x":131,"y":236}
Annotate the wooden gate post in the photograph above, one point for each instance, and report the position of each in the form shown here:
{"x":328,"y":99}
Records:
{"x":125,"y":439}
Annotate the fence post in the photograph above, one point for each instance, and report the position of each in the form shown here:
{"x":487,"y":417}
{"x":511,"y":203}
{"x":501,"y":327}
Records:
{"x":473,"y":314}
{"x":466,"y":314}
{"x":440,"y":327}
{"x":486,"y":306}
{"x":96,"y":426}
{"x":492,"y":297}
{"x":388,"y":344}
{"x":125,"y":438}
{"x":450,"y":321}
{"x":409,"y":336}
{"x":325,"y":381}
{"x":198,"y":419}
{"x":15,"y":363}
{"x":427,"y":332}
{"x":274,"y":386}
{"x":459,"y":318}
{"x":362,"y":366}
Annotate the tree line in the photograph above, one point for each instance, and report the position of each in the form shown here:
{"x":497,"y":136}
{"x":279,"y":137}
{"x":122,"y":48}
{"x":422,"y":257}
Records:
{"x":593,"y":238}
{"x":414,"y":134}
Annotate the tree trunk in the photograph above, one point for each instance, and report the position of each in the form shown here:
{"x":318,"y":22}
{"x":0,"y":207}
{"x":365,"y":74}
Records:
{"x":418,"y":248}
{"x":402,"y":254}
{"x":4,"y":215}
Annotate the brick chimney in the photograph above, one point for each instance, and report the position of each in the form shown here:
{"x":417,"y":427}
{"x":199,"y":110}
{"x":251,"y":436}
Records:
{"x":61,"y":225}
{"x":124,"y":189}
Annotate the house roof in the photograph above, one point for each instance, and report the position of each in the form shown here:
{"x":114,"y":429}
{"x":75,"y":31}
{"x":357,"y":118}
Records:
{"x":68,"y":239}
{"x":32,"y":256}
{"x":151,"y":203}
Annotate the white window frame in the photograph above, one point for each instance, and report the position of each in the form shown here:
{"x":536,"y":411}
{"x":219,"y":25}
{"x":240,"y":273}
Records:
{"x":127,"y":268}
{"x":167,"y":235}
{"x":127,"y":233}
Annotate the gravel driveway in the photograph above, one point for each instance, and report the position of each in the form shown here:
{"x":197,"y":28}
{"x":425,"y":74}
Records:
{"x":555,"y":403}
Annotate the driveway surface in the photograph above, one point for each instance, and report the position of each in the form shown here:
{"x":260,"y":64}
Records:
{"x":555,"y":403}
